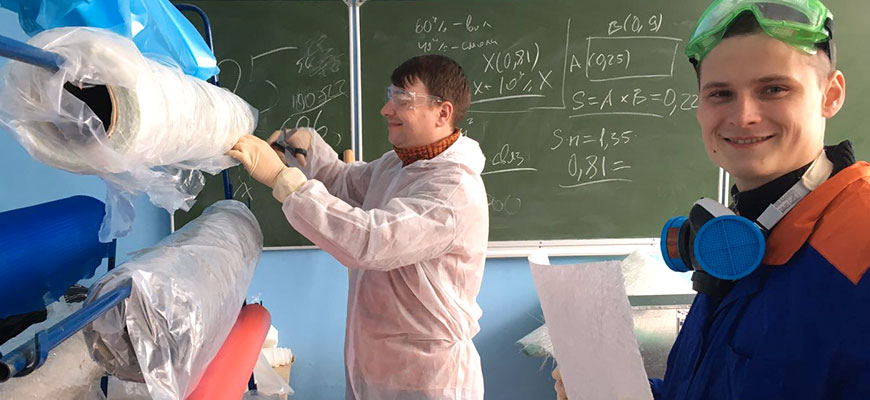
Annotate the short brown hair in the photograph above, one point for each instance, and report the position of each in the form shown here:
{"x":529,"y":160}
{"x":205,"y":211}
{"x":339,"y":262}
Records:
{"x":442,"y":76}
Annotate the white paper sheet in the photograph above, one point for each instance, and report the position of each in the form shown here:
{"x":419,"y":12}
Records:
{"x":589,"y":320}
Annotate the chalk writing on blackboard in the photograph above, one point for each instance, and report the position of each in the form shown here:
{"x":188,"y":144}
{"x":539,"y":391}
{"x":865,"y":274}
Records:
{"x":598,"y":77}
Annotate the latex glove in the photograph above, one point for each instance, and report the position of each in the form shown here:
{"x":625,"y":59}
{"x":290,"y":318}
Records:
{"x":296,"y":141}
{"x":258,"y":159}
{"x":266,"y":167}
{"x":288,"y":182}
{"x":559,"y":386}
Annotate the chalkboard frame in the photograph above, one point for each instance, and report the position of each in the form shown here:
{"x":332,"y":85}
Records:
{"x":592,"y":247}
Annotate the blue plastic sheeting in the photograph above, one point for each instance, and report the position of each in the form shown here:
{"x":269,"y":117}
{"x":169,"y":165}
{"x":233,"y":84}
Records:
{"x":156,"y":26}
{"x":46,"y":248}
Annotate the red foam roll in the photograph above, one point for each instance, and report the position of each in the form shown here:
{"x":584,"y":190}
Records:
{"x":226,"y":377}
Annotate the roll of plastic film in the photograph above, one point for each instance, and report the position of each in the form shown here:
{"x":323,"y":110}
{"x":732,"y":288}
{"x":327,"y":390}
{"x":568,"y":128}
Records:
{"x":186,"y":293}
{"x":112,"y":112}
{"x":45,"y":249}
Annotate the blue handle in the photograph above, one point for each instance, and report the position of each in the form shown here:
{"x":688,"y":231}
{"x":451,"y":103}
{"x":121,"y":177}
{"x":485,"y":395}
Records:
{"x":32,"y":355}
{"x":11,"y":48}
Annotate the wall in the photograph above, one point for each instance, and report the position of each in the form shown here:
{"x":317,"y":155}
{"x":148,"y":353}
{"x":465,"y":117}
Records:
{"x":306,"y":293}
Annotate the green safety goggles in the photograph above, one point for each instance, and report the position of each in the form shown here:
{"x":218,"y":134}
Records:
{"x":800,"y":23}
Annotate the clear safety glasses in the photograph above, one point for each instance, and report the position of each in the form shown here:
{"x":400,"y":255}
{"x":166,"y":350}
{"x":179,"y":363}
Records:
{"x":409,"y":100}
{"x":800,"y":23}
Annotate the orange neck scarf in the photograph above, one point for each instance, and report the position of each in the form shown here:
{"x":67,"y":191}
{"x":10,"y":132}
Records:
{"x":427,"y":152}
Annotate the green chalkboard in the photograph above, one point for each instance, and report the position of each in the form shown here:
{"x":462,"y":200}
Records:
{"x":853,"y":58}
{"x":290,"y":60}
{"x":585,"y":110}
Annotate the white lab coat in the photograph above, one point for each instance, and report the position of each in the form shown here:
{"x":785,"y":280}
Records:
{"x":415,"y":240}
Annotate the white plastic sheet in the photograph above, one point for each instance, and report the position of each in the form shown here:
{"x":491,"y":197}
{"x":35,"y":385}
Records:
{"x":144,"y":126}
{"x":589,"y":321}
{"x":644,"y":275}
{"x":186,"y":294}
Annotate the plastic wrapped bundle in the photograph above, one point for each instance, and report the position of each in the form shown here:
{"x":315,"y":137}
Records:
{"x":141,"y":125}
{"x":186,"y":294}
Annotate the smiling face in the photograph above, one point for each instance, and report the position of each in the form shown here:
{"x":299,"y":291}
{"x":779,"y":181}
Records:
{"x":413,"y":123}
{"x":763,"y":107}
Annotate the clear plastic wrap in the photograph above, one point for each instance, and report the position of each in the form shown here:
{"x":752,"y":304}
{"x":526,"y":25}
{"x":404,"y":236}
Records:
{"x":537,"y":343}
{"x":268,"y":381}
{"x":256,"y":395}
{"x":125,"y":390}
{"x":186,"y":294}
{"x":141,"y":125}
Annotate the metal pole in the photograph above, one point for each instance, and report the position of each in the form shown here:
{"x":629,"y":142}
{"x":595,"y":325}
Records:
{"x":32,"y":355}
{"x":206,"y":25}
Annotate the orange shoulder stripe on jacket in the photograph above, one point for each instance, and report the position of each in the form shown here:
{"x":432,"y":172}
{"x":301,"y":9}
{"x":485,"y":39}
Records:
{"x":842,"y":236}
{"x":797,"y":226}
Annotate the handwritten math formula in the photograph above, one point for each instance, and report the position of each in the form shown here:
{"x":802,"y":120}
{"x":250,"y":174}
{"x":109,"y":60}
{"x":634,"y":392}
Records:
{"x":599,"y":93}
{"x":300,"y":83}
{"x":313,"y":68}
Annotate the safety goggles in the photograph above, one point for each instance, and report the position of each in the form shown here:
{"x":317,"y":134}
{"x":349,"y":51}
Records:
{"x":800,"y":23}
{"x":407,"y":99}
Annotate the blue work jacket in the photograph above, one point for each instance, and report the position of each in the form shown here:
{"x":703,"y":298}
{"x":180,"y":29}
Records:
{"x":799,"y":326}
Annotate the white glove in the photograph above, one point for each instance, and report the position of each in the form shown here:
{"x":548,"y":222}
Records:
{"x":266,"y":167}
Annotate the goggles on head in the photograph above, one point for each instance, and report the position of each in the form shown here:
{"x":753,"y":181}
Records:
{"x":407,"y":99}
{"x":800,"y":23}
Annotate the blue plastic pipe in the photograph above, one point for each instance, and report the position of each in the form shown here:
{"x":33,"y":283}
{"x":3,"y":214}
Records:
{"x":31,"y":355}
{"x":20,"y":51}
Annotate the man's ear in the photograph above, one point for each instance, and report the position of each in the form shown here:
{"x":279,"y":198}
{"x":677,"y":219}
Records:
{"x":834,"y":94}
{"x":445,"y":114}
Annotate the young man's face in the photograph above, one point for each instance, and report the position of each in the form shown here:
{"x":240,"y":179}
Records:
{"x":418,"y":122}
{"x":763,"y":107}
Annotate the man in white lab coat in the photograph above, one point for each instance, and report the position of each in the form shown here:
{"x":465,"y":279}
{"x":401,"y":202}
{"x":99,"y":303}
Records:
{"x":412,"y":226}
